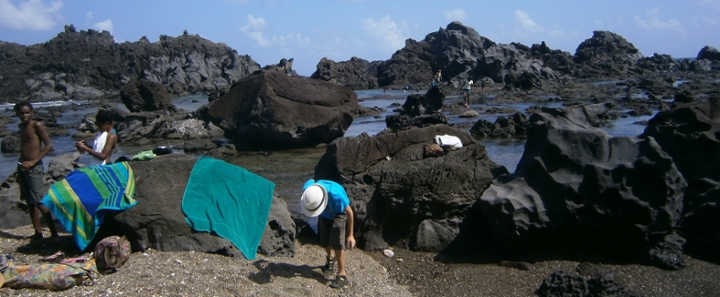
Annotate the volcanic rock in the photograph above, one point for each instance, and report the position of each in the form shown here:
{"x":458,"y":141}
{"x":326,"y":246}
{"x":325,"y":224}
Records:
{"x":270,"y":110}
{"x":690,"y":135}
{"x":356,"y":73}
{"x":90,"y":64}
{"x":403,"y":197}
{"x":145,"y":95}
{"x":577,"y":183}
{"x":158,"y":222}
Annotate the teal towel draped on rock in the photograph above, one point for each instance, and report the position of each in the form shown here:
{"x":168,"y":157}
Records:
{"x":230,"y":201}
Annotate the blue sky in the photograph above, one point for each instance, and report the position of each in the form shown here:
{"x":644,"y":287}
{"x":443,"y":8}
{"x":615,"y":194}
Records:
{"x":269,"y":30}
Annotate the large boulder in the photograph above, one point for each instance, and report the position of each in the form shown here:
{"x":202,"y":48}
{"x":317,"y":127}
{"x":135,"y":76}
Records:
{"x":403,"y":196}
{"x":605,"y":54}
{"x":576,"y":183}
{"x":158,"y":222}
{"x":690,"y":135}
{"x":514,"y":125}
{"x":10,"y":144}
{"x":709,"y":53}
{"x":145,"y":95}
{"x":271,"y":110}
{"x":356,"y":73}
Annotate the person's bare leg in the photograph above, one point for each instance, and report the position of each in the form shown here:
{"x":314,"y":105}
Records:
{"x":341,"y":261}
{"x":47,"y":215}
{"x":329,"y":252}
{"x":35,"y":219}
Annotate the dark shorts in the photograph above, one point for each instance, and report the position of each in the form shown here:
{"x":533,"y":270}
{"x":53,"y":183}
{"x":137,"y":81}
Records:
{"x":32,"y":189}
{"x":332,"y":232}
{"x":467,"y":91}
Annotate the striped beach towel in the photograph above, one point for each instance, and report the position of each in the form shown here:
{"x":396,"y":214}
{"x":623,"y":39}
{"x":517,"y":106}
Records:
{"x":81,"y":200}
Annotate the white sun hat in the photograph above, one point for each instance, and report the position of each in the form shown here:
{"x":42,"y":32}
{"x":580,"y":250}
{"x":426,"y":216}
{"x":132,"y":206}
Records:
{"x":314,"y":200}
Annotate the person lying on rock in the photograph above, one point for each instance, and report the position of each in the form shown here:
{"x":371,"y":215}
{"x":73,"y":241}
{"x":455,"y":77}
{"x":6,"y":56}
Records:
{"x":329,"y":200}
{"x":105,"y":141}
{"x":30,"y":167}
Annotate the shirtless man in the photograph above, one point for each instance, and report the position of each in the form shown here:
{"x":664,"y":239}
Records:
{"x":30,"y":167}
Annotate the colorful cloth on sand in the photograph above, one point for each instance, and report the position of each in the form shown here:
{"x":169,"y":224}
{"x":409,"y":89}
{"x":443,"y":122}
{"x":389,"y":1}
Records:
{"x":82,"y":199}
{"x":49,"y":276}
{"x":230,"y":201}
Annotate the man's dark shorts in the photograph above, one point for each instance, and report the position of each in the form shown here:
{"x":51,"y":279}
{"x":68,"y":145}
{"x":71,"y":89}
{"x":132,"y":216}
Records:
{"x":32,"y":189}
{"x":332,"y":232}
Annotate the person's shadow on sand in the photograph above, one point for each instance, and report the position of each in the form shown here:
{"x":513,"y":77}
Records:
{"x":269,"y":269}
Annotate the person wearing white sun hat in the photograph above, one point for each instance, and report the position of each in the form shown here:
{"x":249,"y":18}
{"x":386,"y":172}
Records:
{"x":328,"y":200}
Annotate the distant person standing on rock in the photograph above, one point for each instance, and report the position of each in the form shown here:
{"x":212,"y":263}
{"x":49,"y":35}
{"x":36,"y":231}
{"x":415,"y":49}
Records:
{"x":467,"y":90}
{"x":329,"y":200}
{"x":437,"y":79}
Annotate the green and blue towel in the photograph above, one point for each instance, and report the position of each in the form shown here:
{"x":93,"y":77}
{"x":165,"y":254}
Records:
{"x":81,"y":200}
{"x":230,"y":201}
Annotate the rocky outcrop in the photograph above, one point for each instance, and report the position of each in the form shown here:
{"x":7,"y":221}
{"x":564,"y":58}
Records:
{"x":709,"y":53}
{"x":419,"y":111}
{"x":605,"y":54}
{"x":158,"y":222}
{"x":690,"y":135}
{"x":10,"y":144}
{"x":145,"y":95}
{"x":514,"y":125}
{"x":576,"y":183}
{"x":271,"y":110}
{"x":90,"y":64}
{"x":403,"y":196}
{"x":356,"y":73}
{"x":596,"y":284}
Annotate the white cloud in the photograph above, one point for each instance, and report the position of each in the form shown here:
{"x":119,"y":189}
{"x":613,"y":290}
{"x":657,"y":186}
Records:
{"x":255,"y":24}
{"x":29,"y":15}
{"x":89,"y":15}
{"x":106,"y":25}
{"x":387,"y":31}
{"x":527,"y":24}
{"x":455,"y":15}
{"x":252,"y":30}
{"x":295,"y":39}
{"x":653,"y":21}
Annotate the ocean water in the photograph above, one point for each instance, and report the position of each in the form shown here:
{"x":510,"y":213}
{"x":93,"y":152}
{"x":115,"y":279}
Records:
{"x":289,"y":169}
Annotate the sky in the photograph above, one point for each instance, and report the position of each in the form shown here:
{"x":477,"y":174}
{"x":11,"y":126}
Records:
{"x":308,"y":30}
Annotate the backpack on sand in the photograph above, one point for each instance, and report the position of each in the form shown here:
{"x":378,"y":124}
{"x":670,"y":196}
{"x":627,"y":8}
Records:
{"x":111,"y":253}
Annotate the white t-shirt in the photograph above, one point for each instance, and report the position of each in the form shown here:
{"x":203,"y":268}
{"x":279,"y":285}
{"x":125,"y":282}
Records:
{"x":98,"y":146}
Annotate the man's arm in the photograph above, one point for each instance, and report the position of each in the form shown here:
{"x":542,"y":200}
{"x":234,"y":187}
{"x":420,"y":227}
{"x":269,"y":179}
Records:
{"x":349,"y":225}
{"x":44,"y":138}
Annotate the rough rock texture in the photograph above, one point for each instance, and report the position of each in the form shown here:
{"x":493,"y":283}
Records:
{"x":90,"y":64}
{"x":574,"y":181}
{"x":605,"y":54}
{"x":279,"y":236}
{"x":180,"y":124}
{"x":145,"y":95}
{"x":356,"y":73}
{"x":709,"y":53}
{"x":10,"y":144}
{"x":271,"y":110}
{"x":402,"y":198}
{"x":461,"y":53}
{"x":690,"y":134}
{"x":514,"y":125}
{"x":157,"y":221}
{"x":561,"y":283}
